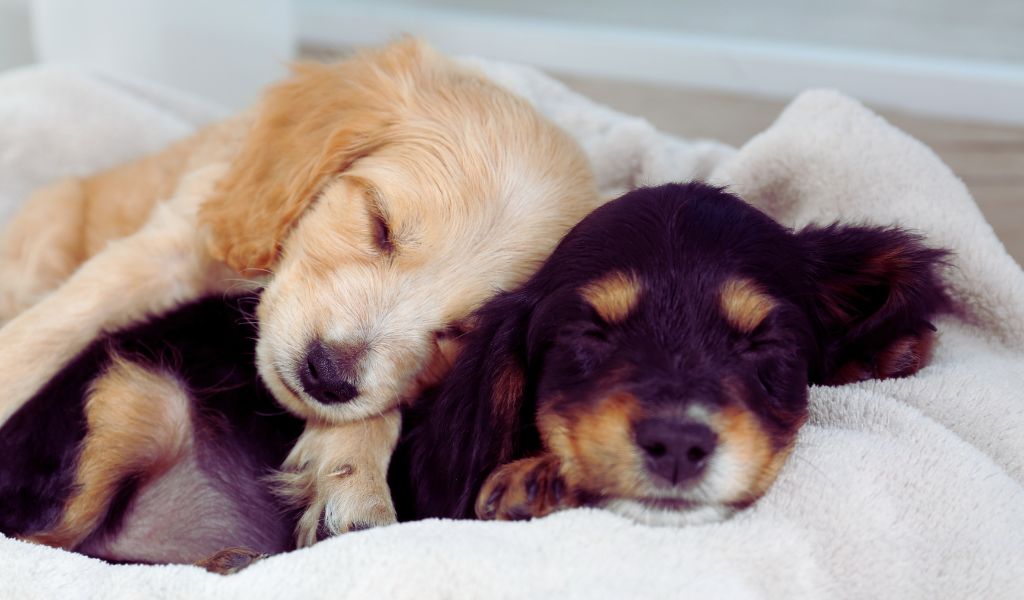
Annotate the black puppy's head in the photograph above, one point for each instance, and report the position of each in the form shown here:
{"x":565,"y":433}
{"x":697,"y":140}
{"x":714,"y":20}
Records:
{"x":666,"y":346}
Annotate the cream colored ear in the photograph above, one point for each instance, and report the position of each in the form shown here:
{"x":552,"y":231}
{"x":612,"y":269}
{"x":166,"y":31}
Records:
{"x":307,"y":129}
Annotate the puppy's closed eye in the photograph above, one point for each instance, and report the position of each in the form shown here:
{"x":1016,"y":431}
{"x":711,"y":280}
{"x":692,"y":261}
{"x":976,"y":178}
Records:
{"x":381,"y":232}
{"x":588,"y":343}
{"x":594,"y":333}
{"x":381,"y":236}
{"x":763,"y":341}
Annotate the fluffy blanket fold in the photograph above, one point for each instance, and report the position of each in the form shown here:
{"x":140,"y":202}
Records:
{"x":905,"y":488}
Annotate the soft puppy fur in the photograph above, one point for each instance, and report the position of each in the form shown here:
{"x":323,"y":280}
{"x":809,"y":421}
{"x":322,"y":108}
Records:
{"x":380,"y":201}
{"x":161,"y":434}
{"x":658,"y":363}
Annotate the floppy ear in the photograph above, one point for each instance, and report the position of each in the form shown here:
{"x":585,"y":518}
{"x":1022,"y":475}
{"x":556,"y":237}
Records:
{"x":306,"y":129}
{"x":473,"y":422}
{"x":876,"y":290}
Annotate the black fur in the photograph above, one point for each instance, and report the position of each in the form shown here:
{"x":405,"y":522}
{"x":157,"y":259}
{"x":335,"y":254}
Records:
{"x":210,"y":346}
{"x":682,"y":242}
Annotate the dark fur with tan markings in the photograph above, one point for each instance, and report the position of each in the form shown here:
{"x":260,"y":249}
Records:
{"x":240,"y":432}
{"x":822,"y":305}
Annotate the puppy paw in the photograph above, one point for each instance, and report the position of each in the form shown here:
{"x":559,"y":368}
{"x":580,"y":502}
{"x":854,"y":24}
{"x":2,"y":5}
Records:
{"x":337,"y":501}
{"x":230,"y":560}
{"x":524,"y":489}
{"x":336,"y":477}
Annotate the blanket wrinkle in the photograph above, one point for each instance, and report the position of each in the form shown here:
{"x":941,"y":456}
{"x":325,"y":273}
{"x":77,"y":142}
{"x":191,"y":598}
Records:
{"x":908,"y":488}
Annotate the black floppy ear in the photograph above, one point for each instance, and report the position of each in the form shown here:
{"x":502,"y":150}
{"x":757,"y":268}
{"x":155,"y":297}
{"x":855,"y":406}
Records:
{"x":876,"y":290}
{"x":473,"y":421}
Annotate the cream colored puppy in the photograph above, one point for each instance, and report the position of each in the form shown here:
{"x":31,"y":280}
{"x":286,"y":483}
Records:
{"x":379,"y":201}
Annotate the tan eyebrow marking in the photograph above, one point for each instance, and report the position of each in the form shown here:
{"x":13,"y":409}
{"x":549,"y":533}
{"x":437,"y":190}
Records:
{"x":744,"y":304}
{"x":613,"y":296}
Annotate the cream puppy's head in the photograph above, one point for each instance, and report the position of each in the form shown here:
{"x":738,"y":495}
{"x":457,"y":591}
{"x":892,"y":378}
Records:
{"x":388,"y":196}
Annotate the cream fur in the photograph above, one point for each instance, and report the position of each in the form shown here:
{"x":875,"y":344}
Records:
{"x":340,"y":472}
{"x":476,"y":189}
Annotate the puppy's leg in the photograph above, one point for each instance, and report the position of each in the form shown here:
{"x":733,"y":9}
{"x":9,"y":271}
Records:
{"x":41,"y":246}
{"x":230,"y":560}
{"x":161,"y":266}
{"x":524,"y":489}
{"x":65,"y":223}
{"x":138,"y":426}
{"x":338,"y":475}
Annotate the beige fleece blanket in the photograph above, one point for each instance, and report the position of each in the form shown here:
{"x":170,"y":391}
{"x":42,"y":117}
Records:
{"x":906,"y":488}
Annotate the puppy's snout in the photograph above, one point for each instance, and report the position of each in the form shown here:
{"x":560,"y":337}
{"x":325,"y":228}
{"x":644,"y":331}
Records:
{"x":329,"y":372}
{"x":675,"y":451}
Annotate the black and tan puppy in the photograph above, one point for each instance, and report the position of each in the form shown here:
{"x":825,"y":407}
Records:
{"x":153,"y":445}
{"x":658,"y":364}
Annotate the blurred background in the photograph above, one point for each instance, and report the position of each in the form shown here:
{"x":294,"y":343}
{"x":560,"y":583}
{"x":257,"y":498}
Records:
{"x":950,"y":72}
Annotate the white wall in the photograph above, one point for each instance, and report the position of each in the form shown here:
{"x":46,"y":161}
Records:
{"x":956,"y":88}
{"x":223,"y":50}
{"x":15,"y":34}
{"x":227,"y":50}
{"x":976,"y":30}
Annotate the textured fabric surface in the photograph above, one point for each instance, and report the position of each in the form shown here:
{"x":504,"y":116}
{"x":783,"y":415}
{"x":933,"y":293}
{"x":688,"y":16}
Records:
{"x":58,"y":121}
{"x":905,"y":488}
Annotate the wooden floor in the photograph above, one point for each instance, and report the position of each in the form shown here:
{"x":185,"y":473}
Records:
{"x":989,"y":158}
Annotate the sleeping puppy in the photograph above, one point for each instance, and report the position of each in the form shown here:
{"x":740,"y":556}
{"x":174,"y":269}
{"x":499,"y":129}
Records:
{"x":168,"y":419}
{"x":378,"y":202}
{"x":657,"y":364}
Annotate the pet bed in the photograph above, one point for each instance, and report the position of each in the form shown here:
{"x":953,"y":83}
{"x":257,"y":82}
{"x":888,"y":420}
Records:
{"x":908,"y":488}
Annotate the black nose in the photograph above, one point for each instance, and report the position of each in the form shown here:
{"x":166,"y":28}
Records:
{"x":328,"y":373}
{"x":676,"y":451}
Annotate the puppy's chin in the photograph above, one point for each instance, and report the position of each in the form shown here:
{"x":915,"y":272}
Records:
{"x":667,"y":514}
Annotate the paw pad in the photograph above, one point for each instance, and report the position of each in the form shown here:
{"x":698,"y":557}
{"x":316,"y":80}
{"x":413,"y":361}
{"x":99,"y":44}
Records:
{"x":523,"y":490}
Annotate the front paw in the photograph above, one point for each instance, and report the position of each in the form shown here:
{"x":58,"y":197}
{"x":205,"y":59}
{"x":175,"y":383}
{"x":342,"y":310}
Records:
{"x":524,"y":489}
{"x":230,"y":560}
{"x":336,"y":501}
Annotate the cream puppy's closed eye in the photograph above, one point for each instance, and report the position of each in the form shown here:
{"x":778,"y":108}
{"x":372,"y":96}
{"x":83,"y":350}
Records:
{"x":390,"y":196}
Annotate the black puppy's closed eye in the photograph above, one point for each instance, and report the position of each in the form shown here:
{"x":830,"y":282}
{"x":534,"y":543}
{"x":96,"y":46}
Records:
{"x":589,"y":344}
{"x":594,"y":333}
{"x":762,"y":349}
{"x":756,"y":344}
{"x":764,"y":379}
